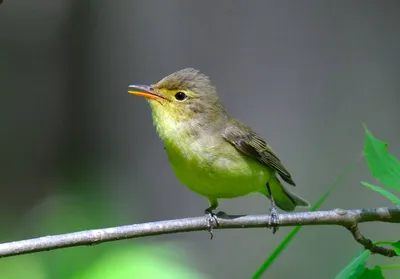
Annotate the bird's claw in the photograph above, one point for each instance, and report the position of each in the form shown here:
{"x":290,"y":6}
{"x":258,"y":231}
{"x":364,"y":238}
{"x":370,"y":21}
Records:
{"x":212,"y":221}
{"x":273,"y":222}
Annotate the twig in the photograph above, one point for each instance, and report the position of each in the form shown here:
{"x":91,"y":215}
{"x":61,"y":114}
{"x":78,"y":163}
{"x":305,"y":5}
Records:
{"x":368,"y":244}
{"x":346,"y":218}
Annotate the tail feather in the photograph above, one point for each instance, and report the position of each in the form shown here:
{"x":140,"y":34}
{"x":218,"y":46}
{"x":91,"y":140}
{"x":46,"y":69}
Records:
{"x":283,"y":198}
{"x":297,"y":200}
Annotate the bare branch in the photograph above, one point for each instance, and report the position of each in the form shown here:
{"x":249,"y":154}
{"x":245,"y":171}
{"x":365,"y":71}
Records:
{"x":346,"y":218}
{"x":368,"y":244}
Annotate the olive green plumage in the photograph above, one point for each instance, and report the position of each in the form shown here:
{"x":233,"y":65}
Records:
{"x":211,"y":152}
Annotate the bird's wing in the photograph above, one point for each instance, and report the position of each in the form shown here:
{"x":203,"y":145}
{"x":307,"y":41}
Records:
{"x":253,"y":145}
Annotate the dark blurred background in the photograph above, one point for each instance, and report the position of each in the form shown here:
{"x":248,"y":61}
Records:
{"x":77,"y":152}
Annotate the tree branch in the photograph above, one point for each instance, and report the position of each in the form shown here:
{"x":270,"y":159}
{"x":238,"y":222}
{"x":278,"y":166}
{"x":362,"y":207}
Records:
{"x":346,"y":218}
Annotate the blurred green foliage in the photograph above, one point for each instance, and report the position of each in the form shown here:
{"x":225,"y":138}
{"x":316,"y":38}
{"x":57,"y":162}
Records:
{"x":278,"y":250}
{"x":386,"y":169}
{"x":141,"y":261}
{"x":117,"y":260}
{"x":131,"y":259}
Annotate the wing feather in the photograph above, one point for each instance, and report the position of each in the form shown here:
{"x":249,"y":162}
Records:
{"x":253,"y":145}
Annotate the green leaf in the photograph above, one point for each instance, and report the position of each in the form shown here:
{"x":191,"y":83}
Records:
{"x":384,"y":166}
{"x":356,"y":267}
{"x":375,"y":273}
{"x":278,"y":250}
{"x":394,"y":266}
{"x":396,"y":247}
{"x":390,"y":196}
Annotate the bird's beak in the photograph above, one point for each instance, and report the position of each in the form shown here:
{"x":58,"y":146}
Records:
{"x":146,"y":91}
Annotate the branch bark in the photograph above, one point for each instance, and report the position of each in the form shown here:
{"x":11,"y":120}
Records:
{"x":348,"y":219}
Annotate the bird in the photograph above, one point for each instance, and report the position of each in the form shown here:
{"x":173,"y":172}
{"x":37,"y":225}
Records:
{"x":211,"y":152}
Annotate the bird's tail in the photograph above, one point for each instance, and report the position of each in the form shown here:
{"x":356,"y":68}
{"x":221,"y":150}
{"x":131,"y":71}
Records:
{"x":284,"y":199}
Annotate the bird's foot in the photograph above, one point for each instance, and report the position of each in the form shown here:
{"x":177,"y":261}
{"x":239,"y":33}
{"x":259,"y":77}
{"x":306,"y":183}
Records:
{"x":273,"y":222}
{"x":212,"y":221}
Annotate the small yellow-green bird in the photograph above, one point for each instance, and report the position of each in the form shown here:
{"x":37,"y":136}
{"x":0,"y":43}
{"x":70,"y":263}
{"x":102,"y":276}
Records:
{"x":212,"y":153}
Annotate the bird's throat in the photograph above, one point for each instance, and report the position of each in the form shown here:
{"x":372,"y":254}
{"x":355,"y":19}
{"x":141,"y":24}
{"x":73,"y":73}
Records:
{"x":185,"y":131}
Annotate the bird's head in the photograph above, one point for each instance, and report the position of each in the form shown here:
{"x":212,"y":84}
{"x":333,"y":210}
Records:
{"x":182,"y":96}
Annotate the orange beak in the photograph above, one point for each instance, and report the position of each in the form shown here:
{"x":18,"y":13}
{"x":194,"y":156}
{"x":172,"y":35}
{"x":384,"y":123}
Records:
{"x":146,"y":91}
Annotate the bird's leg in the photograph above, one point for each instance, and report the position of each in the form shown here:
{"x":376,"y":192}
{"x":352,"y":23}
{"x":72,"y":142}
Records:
{"x":274,"y":219}
{"x":211,"y":217}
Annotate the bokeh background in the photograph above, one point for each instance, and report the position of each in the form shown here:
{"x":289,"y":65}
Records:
{"x":78,"y":152}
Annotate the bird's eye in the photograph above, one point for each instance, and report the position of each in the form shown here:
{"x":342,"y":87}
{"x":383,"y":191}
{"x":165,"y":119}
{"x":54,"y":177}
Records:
{"x":180,"y":96}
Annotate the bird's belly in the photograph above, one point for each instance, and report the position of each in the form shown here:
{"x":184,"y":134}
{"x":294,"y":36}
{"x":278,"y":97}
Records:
{"x":219,"y":176}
